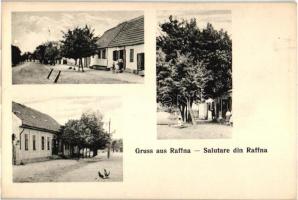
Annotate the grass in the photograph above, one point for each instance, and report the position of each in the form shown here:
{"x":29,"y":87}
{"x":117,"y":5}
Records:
{"x":35,"y":73}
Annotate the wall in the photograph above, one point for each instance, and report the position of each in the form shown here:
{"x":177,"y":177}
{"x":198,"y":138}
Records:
{"x":16,"y":123}
{"x":30,"y":154}
{"x":96,"y":61}
{"x":137,"y":49}
{"x":129,"y":65}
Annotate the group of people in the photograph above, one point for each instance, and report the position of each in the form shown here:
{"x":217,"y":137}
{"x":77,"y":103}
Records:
{"x":118,"y":66}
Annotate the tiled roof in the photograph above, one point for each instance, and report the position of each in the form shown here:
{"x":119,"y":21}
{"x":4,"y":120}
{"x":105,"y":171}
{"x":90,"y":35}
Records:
{"x":127,"y":33}
{"x":35,"y":119}
{"x":131,"y":34}
{"x":109,"y":35}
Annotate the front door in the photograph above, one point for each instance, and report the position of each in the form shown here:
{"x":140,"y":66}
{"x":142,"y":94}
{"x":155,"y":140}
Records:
{"x":122,"y":55}
{"x":140,"y":61}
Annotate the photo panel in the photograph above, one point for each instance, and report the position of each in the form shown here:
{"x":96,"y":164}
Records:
{"x":95,"y":47}
{"x":194,"y":74}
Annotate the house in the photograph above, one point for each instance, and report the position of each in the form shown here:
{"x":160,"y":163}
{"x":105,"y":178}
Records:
{"x":219,"y":106}
{"x":34,"y":136}
{"x":122,"y":44}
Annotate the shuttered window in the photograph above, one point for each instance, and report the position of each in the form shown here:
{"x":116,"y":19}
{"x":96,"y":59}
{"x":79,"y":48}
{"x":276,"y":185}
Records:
{"x":48,"y":143}
{"x":99,"y":54}
{"x":115,"y":55}
{"x":34,"y":142}
{"x":104,"y":54}
{"x":42,"y":143}
{"x":131,"y":55}
{"x":26,"y":142}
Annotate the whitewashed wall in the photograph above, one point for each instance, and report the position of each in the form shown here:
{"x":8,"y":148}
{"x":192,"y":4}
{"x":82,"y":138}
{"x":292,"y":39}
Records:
{"x":96,"y":61}
{"x":26,"y":155}
{"x":137,"y":49}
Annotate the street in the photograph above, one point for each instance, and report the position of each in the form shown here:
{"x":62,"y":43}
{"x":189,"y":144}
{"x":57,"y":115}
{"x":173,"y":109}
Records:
{"x":71,"y":170}
{"x":36,"y":73}
{"x":199,"y":131}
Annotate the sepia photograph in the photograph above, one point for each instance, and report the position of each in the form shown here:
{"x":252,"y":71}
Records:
{"x":67,"y":139}
{"x":103,"y":47}
{"x":194,"y":74}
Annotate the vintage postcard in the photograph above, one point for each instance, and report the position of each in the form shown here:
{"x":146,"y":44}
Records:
{"x":106,"y":100}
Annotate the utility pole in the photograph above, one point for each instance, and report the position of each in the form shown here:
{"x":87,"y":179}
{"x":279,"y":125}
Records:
{"x":109,"y":144}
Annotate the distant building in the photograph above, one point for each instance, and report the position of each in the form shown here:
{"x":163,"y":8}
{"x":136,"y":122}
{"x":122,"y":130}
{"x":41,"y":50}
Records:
{"x":34,"y":135}
{"x":122,"y":44}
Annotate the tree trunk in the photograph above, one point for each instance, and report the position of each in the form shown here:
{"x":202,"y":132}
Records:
{"x":190,"y":113}
{"x":79,"y":153}
{"x":94,"y":152}
{"x":81,"y":64}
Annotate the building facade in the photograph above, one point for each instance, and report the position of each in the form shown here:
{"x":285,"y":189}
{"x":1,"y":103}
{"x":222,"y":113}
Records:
{"x":122,"y":46}
{"x":34,"y":136}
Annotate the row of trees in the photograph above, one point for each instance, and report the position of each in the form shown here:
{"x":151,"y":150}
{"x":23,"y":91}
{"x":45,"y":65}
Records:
{"x":192,"y":64}
{"x":16,"y":55}
{"x":86,"y":133}
{"x":76,"y":44}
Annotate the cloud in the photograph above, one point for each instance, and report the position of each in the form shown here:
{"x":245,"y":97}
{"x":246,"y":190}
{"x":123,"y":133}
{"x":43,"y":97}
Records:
{"x":30,"y":29}
{"x":220,"y":19}
{"x":63,"y":109}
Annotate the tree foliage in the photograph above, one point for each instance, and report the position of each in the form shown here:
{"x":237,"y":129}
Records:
{"x":16,"y":57}
{"x":79,"y":43}
{"x":47,"y":53}
{"x":117,"y":145}
{"x":192,"y":64}
{"x":86,"y":132}
{"x":52,"y":52}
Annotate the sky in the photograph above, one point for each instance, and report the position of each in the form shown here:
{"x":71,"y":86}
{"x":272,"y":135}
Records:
{"x":63,"y":109}
{"x":29,"y":29}
{"x":220,"y":19}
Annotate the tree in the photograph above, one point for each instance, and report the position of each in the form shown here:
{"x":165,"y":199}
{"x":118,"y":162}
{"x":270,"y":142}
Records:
{"x":192,"y":64}
{"x":79,"y":43}
{"x":15,"y":55}
{"x":40,"y":53}
{"x":87,"y":132}
{"x":51,"y":53}
{"x":117,"y":145}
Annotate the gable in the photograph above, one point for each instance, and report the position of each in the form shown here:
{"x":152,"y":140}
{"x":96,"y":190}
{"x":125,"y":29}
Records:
{"x":34,"y":119}
{"x":132,"y":33}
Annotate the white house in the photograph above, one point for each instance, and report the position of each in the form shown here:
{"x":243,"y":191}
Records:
{"x":123,"y":43}
{"x":34,"y":134}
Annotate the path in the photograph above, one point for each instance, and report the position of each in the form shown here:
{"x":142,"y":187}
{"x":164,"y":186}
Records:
{"x":35,"y":73}
{"x":199,"y":131}
{"x":69,"y":170}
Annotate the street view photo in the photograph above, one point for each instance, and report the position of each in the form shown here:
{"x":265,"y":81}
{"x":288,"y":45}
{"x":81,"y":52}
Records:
{"x":67,"y":139}
{"x":102,"y":47}
{"x":194,"y":74}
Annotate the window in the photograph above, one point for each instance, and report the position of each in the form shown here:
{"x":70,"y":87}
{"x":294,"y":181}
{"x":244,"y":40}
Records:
{"x":104,"y":54}
{"x":42,"y":143}
{"x":26,"y":142}
{"x":48,"y":143}
{"x":131,"y":55}
{"x":99,"y":54}
{"x":121,"y":52}
{"x":115,"y":55}
{"x":34,"y":142}
{"x":20,"y":142}
{"x":140,"y":61}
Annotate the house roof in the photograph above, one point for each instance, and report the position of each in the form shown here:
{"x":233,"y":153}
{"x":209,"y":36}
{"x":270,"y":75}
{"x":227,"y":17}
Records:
{"x":109,"y":35}
{"x":131,"y":34}
{"x":34,"y":119}
{"x":127,"y":33}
